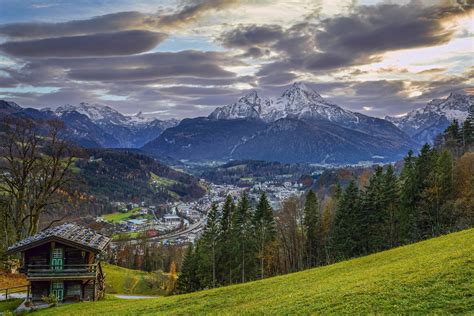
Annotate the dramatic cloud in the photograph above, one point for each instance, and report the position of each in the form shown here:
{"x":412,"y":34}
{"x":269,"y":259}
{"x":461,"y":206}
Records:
{"x":114,"y":22}
{"x":101,"y":24}
{"x":144,"y":68}
{"x":341,"y":41}
{"x":103,"y":44}
{"x":252,"y":35}
{"x":190,"y":13}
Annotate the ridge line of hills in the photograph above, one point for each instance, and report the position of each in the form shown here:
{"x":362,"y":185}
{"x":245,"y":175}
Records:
{"x":298,"y":126}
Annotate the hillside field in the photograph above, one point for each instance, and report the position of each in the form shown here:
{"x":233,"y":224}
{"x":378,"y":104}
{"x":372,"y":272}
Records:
{"x":120,"y":280}
{"x":433,"y":276}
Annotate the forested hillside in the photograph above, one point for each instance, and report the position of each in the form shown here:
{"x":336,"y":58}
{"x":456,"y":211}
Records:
{"x":432,"y":195}
{"x":126,"y":176}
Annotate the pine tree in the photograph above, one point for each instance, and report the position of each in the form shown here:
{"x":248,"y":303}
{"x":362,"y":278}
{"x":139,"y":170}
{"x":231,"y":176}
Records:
{"x":346,"y":239}
{"x":210,"y":238}
{"x":226,"y":243}
{"x":241,"y":228}
{"x":426,"y":203}
{"x":265,"y":231}
{"x":187,"y":278}
{"x":391,"y":203}
{"x":442,"y":190}
{"x":311,"y":225}
{"x":409,"y":195}
{"x":468,"y":133}
{"x":453,"y":138}
{"x":372,"y":230}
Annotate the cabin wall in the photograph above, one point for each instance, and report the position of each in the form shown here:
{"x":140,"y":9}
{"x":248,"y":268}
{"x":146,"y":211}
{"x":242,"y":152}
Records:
{"x":89,"y":291}
{"x":39,"y":255}
{"x":74,"y":256}
{"x":39,"y":289}
{"x":74,"y":290}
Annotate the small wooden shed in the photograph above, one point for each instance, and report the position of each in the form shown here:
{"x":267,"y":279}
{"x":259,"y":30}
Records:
{"x":63,"y":261}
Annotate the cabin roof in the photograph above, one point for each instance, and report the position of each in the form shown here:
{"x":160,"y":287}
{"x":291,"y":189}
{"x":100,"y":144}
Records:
{"x":71,"y":233}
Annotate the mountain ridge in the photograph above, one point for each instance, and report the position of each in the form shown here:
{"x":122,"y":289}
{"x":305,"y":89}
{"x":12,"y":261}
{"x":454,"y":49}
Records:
{"x":298,"y":126}
{"x":424,"y":123}
{"x":96,"y":125}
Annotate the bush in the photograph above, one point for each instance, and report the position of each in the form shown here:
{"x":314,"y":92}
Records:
{"x":51,"y":300}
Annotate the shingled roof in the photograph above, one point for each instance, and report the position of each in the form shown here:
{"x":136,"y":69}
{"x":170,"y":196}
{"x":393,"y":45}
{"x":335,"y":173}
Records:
{"x":70,"y":233}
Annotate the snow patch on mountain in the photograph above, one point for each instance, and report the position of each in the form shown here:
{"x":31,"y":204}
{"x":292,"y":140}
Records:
{"x":455,"y":107}
{"x":299,"y":101}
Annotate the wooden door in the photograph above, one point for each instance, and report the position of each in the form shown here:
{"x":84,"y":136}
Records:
{"x":57,"y":289}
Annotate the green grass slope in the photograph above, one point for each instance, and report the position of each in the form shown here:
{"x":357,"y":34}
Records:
{"x":120,"y":280}
{"x":433,"y":276}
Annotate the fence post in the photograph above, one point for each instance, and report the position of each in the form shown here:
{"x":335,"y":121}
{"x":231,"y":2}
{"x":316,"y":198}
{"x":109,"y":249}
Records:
{"x":6,"y":294}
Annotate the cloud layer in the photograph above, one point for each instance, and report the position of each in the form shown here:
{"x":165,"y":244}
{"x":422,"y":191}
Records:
{"x":118,"y":57}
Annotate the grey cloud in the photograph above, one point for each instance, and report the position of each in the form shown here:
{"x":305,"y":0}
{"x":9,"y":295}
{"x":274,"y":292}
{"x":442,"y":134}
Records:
{"x":191,"y":12}
{"x":8,"y":82}
{"x":124,"y":74}
{"x":378,"y":88}
{"x":342,"y":41}
{"x":190,"y":65}
{"x":105,"y":23}
{"x":196,"y":91}
{"x":251,"y":35}
{"x":277,"y":79}
{"x":114,"y":22}
{"x":103,"y":44}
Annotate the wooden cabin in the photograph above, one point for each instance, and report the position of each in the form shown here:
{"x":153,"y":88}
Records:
{"x":63,"y":261}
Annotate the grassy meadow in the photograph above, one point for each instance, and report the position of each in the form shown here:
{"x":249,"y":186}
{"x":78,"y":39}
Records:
{"x":433,"y":276}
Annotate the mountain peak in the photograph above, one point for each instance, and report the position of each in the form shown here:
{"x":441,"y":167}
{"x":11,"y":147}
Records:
{"x":298,"y":101}
{"x":424,"y":123}
{"x":9,"y":105}
{"x":301,"y":92}
{"x":250,"y":97}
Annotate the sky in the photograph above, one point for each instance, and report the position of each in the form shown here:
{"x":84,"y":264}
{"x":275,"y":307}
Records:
{"x":183,"y":58}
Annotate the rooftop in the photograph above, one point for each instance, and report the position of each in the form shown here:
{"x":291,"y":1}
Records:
{"x":73,"y":233}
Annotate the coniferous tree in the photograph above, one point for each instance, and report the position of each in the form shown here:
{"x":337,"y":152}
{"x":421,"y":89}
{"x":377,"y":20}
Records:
{"x":468,"y":133}
{"x":426,"y":206}
{"x":311,"y":225}
{"x":442,"y":191}
{"x":226,"y":244}
{"x":264,"y":225}
{"x":407,"y":215}
{"x":210,"y":238}
{"x":372,"y":230}
{"x":346,"y":239}
{"x":241,"y":228}
{"x":187,"y":278}
{"x":391,"y":203}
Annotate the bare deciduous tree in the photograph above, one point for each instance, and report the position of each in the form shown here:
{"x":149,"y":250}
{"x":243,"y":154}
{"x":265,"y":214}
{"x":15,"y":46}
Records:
{"x":34,"y":170}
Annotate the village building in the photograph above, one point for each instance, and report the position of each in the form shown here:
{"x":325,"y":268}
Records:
{"x":63,"y":261}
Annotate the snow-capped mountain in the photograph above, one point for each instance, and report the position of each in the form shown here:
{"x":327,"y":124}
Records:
{"x":299,"y":102}
{"x":298,"y":126}
{"x":95,"y":125}
{"x":425,"y":123}
{"x":130,"y":131}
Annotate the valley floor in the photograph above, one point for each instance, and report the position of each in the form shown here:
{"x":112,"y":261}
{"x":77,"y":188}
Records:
{"x":433,"y":276}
